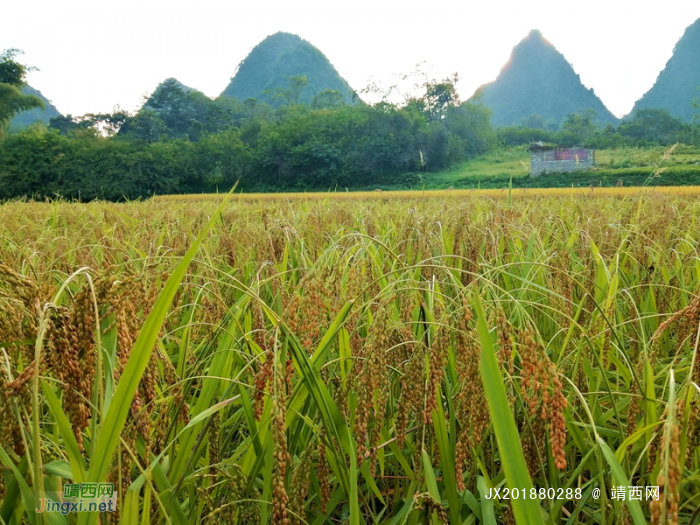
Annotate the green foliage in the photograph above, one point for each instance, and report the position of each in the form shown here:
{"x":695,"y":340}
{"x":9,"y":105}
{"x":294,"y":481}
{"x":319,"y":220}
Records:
{"x":472,"y":133}
{"x":346,"y":147}
{"x":327,"y":99}
{"x":182,"y":141}
{"x":84,"y":165}
{"x":107,"y":124}
{"x":292,"y":95}
{"x":12,"y":76}
{"x":11,"y":71}
{"x":646,"y":128}
{"x":147,"y":125}
{"x":534,"y":121}
{"x":578,"y":128}
{"x":656,"y":126}
{"x":518,"y":135}
{"x":439,"y":98}
{"x":177,"y":111}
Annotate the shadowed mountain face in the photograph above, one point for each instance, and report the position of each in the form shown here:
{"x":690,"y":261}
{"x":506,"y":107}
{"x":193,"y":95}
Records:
{"x":24,"y":119}
{"x":538,"y":80}
{"x":677,"y":85}
{"x":273,"y":61}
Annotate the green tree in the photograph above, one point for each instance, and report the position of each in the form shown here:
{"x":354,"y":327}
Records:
{"x":250,"y":104}
{"x":106,"y":124}
{"x":297,"y":83}
{"x":182,"y":110}
{"x":470,"y":125}
{"x":438,"y":98}
{"x":67,"y":124}
{"x":579,"y":127}
{"x":517,"y":136}
{"x":328,"y":98}
{"x":12,"y":80}
{"x":656,"y":126}
{"x":534,"y":121}
{"x":695,"y":121}
{"x":146,"y":126}
{"x":292,"y":95}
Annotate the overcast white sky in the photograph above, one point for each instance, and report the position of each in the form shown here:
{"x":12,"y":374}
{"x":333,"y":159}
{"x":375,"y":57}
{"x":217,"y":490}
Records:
{"x":93,"y":55}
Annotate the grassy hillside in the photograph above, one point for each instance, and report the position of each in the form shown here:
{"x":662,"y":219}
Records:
{"x":632,"y":166}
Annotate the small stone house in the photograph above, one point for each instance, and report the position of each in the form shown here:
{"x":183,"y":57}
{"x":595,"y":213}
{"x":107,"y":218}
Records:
{"x":550,"y":159}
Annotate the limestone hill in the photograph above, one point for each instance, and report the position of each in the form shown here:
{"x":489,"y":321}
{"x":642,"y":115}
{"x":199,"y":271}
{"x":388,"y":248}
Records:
{"x":538,"y":80}
{"x":265,"y":73}
{"x":677,"y":85}
{"x":24,"y":119}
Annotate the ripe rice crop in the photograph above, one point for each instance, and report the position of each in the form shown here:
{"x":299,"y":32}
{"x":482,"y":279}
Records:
{"x":447,"y":194}
{"x":361,"y":359}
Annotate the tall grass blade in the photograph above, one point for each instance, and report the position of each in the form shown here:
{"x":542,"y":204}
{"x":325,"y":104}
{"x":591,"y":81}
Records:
{"x":115,"y":418}
{"x":526,"y":511}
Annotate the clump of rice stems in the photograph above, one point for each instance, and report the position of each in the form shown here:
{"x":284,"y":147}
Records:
{"x":20,"y":309}
{"x":664,"y":510}
{"x":311,"y":311}
{"x":262,"y":378}
{"x":224,"y":498}
{"x":437,"y":359}
{"x":405,"y":357}
{"x":406,"y":350}
{"x":213,"y":441}
{"x":557,"y":428}
{"x":634,"y":407}
{"x":470,"y":406}
{"x":689,"y":318}
{"x":323,"y":472}
{"x":505,"y":342}
{"x":280,"y":499}
{"x":539,"y":376}
{"x":371,"y":373}
{"x":425,"y":502}
{"x":508,"y":516}
{"x":63,"y":354}
{"x":300,"y":487}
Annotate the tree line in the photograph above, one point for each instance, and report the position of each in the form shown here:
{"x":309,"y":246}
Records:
{"x":183,"y":142}
{"x":644,"y":128}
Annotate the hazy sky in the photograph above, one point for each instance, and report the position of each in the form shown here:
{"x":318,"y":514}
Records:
{"x":93,"y":55}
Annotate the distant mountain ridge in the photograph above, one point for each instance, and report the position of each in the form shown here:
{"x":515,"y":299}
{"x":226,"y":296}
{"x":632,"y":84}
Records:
{"x":538,"y":80}
{"x":677,"y":84}
{"x":280,"y":56}
{"x":24,"y":119}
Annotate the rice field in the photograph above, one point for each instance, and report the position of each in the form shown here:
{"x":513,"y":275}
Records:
{"x":457,"y":357}
{"x":502,"y":193}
